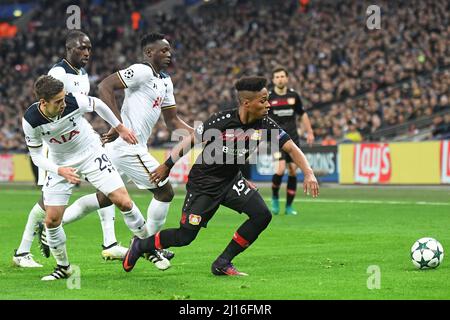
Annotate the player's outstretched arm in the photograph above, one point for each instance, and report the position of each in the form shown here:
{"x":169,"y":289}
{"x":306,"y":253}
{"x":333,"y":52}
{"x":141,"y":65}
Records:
{"x":105,"y":112}
{"x":182,"y":148}
{"x":310,"y":185}
{"x":106,"y":90}
{"x":174,"y":122}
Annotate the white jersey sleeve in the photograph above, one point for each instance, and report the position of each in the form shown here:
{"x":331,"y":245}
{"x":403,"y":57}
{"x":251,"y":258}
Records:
{"x":169,"y":98}
{"x":33,"y":138}
{"x":34,"y":144}
{"x":85,"y":103}
{"x":90,"y":104}
{"x":134,"y":75}
{"x":58,"y":73}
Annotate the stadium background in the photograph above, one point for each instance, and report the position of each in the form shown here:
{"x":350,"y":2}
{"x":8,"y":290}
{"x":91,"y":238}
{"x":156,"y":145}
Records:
{"x":378,"y":101}
{"x":358,"y":85}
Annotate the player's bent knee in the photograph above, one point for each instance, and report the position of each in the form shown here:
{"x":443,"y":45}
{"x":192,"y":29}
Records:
{"x":121,"y":199}
{"x":103,"y":200}
{"x":263,"y":219}
{"x":124,"y":204}
{"x":52,"y":222}
{"x":185,"y":236}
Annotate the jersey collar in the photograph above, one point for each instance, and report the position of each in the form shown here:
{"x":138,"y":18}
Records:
{"x":156,"y":74}
{"x":78,"y":71}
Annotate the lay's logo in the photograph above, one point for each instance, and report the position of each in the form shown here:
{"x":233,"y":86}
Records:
{"x":445,"y":161}
{"x":372,"y":163}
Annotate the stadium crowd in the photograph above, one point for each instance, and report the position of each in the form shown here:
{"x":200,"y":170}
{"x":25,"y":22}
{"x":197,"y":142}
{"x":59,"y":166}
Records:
{"x":353,"y":81}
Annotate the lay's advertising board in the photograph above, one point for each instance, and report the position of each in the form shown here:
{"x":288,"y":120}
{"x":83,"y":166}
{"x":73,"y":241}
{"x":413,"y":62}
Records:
{"x":395,"y":163}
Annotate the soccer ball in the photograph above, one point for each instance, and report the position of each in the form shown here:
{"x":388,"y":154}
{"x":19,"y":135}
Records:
{"x":427,"y":253}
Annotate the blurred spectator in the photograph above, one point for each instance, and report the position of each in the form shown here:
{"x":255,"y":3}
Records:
{"x":352,"y":135}
{"x":328,"y":141}
{"x":345,"y":72}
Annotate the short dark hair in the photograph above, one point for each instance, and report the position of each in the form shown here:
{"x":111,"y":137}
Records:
{"x":278,"y":69}
{"x":254,"y":84}
{"x":46,"y":87}
{"x":74,"y":35}
{"x":150,"y":38}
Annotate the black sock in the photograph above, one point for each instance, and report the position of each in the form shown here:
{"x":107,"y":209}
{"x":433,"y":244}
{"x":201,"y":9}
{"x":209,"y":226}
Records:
{"x":240,"y":241}
{"x":291,"y":190}
{"x":276,"y":182}
{"x":249,"y":231}
{"x":168,"y":238}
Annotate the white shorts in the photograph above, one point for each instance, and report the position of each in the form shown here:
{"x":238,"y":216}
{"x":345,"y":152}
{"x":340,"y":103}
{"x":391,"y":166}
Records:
{"x":41,"y":172}
{"x":134,"y":163}
{"x":91,"y":164}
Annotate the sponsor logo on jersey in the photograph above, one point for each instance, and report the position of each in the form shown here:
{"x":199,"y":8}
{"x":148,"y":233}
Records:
{"x":64,"y":137}
{"x":291,"y":101}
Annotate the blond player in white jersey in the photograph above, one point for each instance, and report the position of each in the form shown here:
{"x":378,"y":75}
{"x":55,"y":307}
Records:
{"x":148,"y":93}
{"x":71,"y":72}
{"x":75,"y":152}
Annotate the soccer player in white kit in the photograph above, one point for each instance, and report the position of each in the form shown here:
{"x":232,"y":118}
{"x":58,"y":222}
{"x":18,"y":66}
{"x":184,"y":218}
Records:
{"x":75,"y":78}
{"x":148,"y":93}
{"x":74,"y":150}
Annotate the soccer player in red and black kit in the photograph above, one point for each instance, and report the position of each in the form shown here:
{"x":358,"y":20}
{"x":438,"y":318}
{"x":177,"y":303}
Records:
{"x":286,"y":106}
{"x":213,"y":182}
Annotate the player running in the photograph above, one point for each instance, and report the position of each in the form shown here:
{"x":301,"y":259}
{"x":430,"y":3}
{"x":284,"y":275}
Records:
{"x":213,"y":182}
{"x":74,"y":150}
{"x":71,"y":72}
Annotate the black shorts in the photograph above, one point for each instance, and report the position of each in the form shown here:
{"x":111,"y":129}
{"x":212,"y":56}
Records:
{"x":199,"y":208}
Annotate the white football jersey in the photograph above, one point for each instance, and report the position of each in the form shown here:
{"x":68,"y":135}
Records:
{"x":75,"y":80}
{"x":146,"y":94}
{"x":70,"y":134}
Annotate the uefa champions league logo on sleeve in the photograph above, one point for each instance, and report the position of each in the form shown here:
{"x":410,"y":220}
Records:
{"x":129,"y":73}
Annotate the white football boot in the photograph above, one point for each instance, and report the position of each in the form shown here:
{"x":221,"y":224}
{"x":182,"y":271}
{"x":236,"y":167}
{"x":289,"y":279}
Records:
{"x":157,"y":258}
{"x":114,"y":252}
{"x":25,"y":260}
{"x":59,"y":273}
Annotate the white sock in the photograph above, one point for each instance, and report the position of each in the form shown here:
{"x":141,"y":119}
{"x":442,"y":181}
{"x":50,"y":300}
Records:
{"x":156,"y":215}
{"x":136,"y":222}
{"x":80,"y":208}
{"x":36,"y":215}
{"x":107,"y":216}
{"x":56,"y":239}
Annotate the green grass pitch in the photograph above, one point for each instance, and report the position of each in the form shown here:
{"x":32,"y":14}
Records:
{"x":323,"y":253}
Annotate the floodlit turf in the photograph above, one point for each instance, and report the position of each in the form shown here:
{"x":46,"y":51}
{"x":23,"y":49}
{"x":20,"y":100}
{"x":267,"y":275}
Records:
{"x":323,"y":253}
